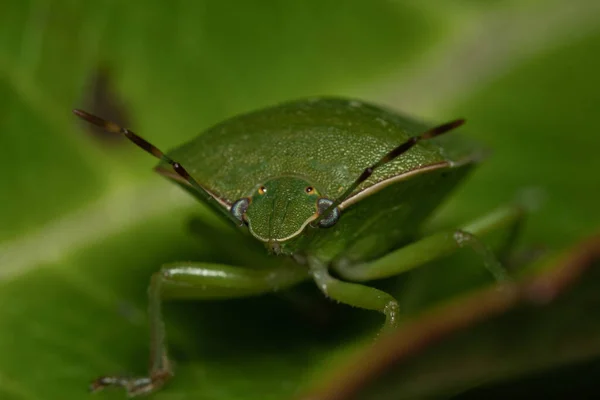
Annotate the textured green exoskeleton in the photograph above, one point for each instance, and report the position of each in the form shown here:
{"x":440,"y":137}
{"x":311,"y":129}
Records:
{"x":328,"y":183}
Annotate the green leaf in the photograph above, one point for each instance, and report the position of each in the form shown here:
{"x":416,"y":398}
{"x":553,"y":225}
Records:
{"x":83,"y":223}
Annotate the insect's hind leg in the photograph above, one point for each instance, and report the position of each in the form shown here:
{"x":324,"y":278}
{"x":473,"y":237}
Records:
{"x":195,"y":281}
{"x":439,"y":245}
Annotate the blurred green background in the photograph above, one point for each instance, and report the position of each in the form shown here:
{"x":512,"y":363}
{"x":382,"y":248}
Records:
{"x":84,"y":221}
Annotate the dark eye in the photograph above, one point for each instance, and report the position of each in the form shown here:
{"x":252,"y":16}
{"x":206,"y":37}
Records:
{"x":262,"y":190}
{"x":333,"y":217}
{"x":309,"y":189}
{"x":238,"y":209}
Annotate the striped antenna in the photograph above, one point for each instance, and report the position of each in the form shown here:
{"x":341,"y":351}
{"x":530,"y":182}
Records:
{"x":393,"y":154}
{"x":112,"y":127}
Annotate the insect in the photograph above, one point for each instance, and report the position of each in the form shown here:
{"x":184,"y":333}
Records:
{"x":332,"y":184}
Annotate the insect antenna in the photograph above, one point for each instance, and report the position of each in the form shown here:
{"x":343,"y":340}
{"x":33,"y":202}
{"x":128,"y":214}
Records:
{"x":112,"y":127}
{"x":391,"y":155}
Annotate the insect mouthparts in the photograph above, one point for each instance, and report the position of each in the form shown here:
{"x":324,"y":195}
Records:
{"x":274,"y":246}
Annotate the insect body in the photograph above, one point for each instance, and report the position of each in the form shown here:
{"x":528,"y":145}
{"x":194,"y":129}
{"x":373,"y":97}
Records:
{"x":330,"y":183}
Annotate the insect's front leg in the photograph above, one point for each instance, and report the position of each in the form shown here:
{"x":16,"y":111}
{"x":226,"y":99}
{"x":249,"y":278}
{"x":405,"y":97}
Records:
{"x":354,"y":294}
{"x":439,"y":245}
{"x":195,"y":281}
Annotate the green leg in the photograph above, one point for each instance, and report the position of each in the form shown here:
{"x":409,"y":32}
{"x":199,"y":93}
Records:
{"x":439,"y":245}
{"x":248,"y":251}
{"x":355,"y":294}
{"x":195,"y":281}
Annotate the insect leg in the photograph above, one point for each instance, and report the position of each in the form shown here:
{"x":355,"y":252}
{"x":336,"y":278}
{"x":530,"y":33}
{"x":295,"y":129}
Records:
{"x":195,"y":281}
{"x":354,"y":294}
{"x":437,"y":246}
{"x":248,"y":251}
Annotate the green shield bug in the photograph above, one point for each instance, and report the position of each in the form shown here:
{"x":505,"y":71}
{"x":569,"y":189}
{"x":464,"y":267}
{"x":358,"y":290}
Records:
{"x":331,"y":184}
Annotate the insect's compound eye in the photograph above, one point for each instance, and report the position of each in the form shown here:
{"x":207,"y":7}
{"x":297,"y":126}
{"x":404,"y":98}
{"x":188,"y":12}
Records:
{"x":333,"y":217}
{"x":262,"y":190}
{"x":309,"y":190}
{"x":238,"y":209}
